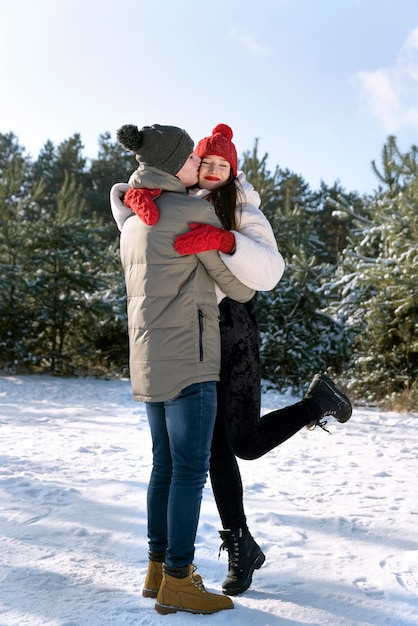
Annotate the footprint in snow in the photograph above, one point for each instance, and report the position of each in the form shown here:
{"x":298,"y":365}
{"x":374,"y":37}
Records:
{"x":368,"y":588}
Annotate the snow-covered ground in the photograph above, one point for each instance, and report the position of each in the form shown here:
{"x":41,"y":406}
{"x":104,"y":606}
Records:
{"x":337,"y":516}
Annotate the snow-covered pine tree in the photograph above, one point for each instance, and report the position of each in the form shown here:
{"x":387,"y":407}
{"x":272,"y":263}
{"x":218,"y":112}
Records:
{"x":378,"y":279}
{"x":19,"y":196}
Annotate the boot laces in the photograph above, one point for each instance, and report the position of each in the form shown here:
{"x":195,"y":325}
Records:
{"x":197,"y":579}
{"x":323,"y":426}
{"x":340,"y":406}
{"x":233,"y":552}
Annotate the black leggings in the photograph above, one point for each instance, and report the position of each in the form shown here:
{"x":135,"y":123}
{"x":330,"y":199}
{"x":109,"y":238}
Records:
{"x":239,"y":429}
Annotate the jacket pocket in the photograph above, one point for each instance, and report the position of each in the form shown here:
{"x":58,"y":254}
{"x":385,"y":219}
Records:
{"x":201,"y":331}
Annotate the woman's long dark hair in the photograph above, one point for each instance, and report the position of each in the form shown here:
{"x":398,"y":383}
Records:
{"x":225,"y":202}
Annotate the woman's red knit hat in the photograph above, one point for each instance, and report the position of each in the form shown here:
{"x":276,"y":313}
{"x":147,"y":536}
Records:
{"x":219,"y":144}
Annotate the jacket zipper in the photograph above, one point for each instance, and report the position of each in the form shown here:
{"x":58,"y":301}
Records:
{"x":200,"y":335}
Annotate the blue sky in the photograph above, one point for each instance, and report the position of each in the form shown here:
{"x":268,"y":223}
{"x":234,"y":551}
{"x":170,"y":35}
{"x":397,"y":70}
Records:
{"x":320,"y":83}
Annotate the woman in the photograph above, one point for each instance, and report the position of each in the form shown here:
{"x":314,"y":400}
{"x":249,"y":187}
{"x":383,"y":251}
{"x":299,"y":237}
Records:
{"x":239,"y":430}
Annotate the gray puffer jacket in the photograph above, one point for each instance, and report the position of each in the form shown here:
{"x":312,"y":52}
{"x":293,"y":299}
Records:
{"x":173,"y":316}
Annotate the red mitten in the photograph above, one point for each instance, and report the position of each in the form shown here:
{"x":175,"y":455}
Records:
{"x":141,"y":201}
{"x":203,"y":237}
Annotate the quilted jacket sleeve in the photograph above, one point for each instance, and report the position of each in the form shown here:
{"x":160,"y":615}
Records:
{"x":224,"y":278}
{"x":120,"y":211}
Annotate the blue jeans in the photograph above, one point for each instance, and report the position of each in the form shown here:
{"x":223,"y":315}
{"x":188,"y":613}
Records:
{"x":181,"y":431}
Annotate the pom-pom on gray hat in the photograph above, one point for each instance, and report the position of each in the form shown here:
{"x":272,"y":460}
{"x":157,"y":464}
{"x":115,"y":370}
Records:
{"x":164,"y":147}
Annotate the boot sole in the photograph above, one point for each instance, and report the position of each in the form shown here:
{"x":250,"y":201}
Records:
{"x":165,"y":609}
{"x":149,"y":593}
{"x":256,"y":565}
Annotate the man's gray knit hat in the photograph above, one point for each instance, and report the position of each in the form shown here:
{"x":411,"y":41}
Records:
{"x":164,"y":147}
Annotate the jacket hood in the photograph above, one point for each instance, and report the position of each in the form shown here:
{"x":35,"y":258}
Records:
{"x":148,"y":177}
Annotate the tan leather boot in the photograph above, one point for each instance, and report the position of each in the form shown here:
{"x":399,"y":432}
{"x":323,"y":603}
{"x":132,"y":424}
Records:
{"x":153,"y":579}
{"x":188,"y":594}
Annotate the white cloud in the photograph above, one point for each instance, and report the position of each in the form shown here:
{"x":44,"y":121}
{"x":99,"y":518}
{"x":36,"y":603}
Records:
{"x":254,"y":47}
{"x":391,"y":94}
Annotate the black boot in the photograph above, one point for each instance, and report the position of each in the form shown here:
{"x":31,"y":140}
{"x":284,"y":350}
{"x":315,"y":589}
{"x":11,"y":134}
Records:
{"x":329,"y":399}
{"x":244,"y":556}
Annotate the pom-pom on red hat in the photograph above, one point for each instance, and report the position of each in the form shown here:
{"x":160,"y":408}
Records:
{"x":219,"y":144}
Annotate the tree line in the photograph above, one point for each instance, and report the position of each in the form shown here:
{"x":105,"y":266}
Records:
{"x":348,"y":300}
